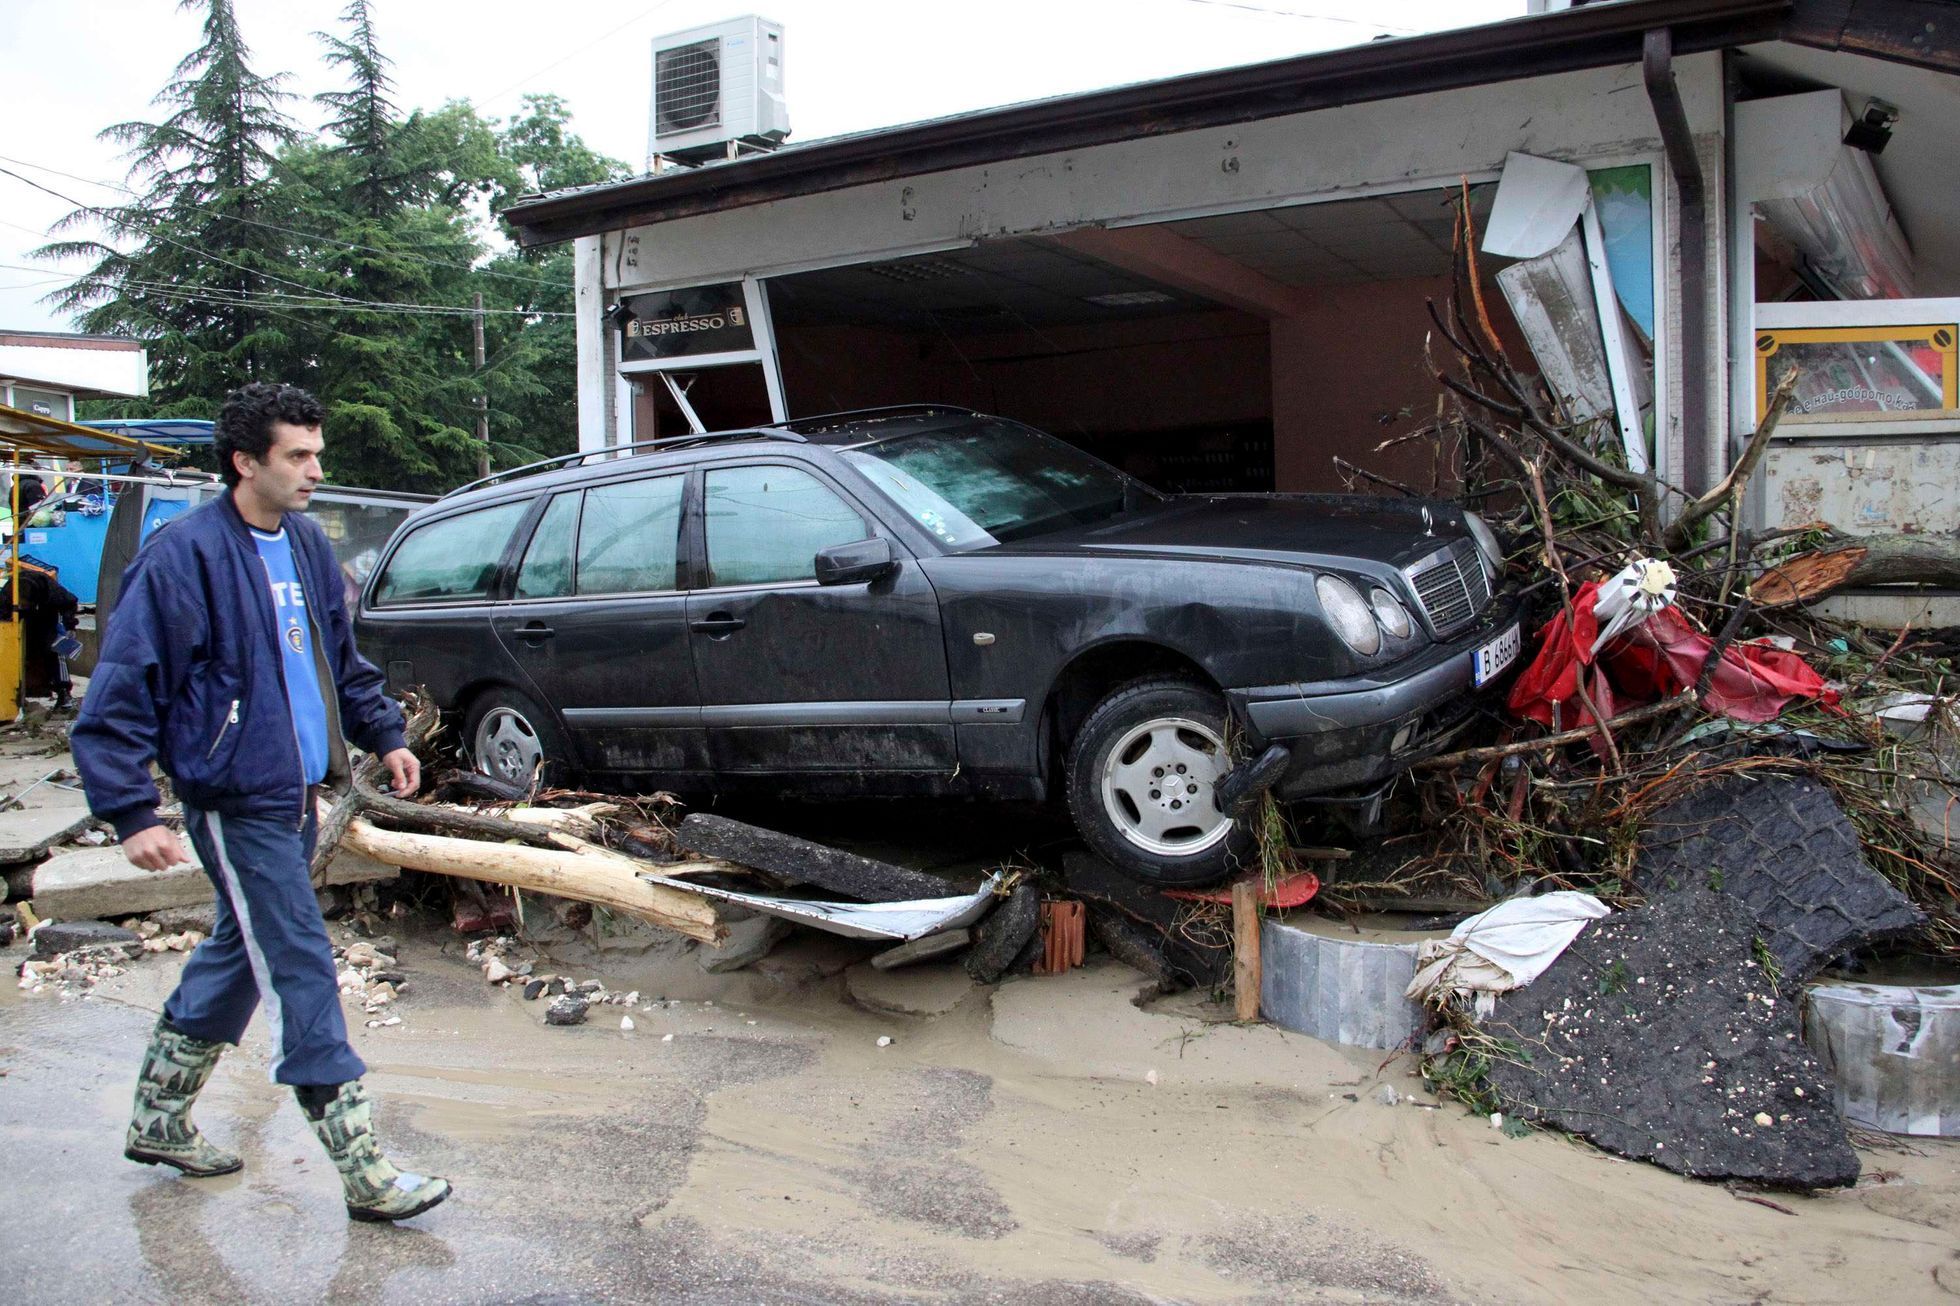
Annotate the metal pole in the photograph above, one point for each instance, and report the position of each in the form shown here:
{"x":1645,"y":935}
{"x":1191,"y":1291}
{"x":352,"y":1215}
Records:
{"x":15,"y":692}
{"x":482,"y":397}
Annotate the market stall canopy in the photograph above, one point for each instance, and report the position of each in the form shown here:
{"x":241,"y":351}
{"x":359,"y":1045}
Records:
{"x":37,"y":436}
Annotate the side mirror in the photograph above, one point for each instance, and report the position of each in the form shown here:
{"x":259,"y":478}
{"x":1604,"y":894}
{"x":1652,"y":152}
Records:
{"x":853,"y":563}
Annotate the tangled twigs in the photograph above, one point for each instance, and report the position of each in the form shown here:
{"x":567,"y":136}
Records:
{"x":421,"y":726}
{"x":1446,"y":761}
{"x":1729,"y":492}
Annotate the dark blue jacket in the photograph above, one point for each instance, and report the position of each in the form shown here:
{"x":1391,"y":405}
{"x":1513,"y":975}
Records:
{"x":190,"y":676}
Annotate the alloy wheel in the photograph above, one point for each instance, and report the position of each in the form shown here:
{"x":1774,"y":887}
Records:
{"x":1159,"y":786}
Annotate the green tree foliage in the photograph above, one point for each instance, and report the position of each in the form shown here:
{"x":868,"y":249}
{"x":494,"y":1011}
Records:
{"x":344,"y":262}
{"x":188,"y":263}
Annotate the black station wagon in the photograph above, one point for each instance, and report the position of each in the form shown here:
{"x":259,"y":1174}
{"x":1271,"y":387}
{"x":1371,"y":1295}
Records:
{"x":931,"y":601}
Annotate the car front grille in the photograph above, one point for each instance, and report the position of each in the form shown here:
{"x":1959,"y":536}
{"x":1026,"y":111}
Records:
{"x":1452,"y":586}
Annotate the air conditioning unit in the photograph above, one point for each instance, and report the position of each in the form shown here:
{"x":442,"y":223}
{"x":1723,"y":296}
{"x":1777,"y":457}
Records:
{"x":718,"y":90}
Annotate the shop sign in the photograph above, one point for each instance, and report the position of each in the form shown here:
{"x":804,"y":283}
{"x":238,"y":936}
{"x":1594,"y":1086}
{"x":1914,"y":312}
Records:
{"x":685,"y":323}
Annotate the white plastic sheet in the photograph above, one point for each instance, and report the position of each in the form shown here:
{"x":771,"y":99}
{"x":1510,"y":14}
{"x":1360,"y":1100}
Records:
{"x":1501,"y":949}
{"x":902,"y":921}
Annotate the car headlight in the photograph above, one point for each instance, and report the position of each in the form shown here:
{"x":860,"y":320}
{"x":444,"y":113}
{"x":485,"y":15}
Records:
{"x":1394,"y":618}
{"x":1487,"y":545}
{"x":1349,"y":613}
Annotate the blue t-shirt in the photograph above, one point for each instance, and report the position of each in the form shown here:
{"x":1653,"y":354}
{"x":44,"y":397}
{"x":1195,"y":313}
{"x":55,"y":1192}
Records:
{"x":296,"y":650}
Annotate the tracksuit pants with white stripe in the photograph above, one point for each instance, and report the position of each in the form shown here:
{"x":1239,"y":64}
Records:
{"x":270,"y":943}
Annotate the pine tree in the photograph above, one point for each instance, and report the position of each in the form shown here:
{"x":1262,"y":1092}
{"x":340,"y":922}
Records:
{"x":196,"y":262}
{"x":364,"y":116}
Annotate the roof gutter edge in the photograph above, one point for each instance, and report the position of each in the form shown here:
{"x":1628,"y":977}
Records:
{"x":1591,"y":36}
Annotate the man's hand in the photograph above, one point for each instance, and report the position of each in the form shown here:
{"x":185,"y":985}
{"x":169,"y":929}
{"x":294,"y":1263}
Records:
{"x":155,"y":849}
{"x":406,"y":769}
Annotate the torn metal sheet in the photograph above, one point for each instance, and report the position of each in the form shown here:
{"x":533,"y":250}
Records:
{"x":900,"y":921}
{"x":1537,"y":203}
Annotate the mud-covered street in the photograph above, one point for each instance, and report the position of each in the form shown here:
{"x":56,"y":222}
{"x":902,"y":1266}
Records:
{"x":750,"y":1140}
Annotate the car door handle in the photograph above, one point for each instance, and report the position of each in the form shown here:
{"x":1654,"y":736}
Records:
{"x":718,"y":625}
{"x":535,"y":630}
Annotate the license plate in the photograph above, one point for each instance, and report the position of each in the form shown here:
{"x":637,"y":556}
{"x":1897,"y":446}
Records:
{"x":1500,"y":653}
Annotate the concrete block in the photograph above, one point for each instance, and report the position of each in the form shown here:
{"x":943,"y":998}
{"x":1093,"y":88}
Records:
{"x":924,"y":991}
{"x":748,"y":941}
{"x":1892,"y":1051}
{"x":27,"y":835}
{"x":92,"y":883}
{"x":1320,"y":977}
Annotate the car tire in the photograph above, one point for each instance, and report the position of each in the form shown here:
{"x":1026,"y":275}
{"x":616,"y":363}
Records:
{"x":508,"y":736}
{"x":1143,"y":743}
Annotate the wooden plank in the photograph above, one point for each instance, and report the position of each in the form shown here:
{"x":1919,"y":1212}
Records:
{"x":1245,"y":950}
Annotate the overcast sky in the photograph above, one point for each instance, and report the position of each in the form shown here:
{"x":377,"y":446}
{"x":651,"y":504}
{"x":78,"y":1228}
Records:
{"x":76,"y":66}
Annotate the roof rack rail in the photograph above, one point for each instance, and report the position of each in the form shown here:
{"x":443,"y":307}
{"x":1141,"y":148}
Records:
{"x":667,"y":442}
{"x":889,"y":410}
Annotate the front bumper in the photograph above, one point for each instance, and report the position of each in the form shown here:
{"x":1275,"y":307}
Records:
{"x":1346,"y":734}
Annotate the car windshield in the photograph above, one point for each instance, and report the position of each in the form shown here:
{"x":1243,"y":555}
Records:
{"x":985,"y":483}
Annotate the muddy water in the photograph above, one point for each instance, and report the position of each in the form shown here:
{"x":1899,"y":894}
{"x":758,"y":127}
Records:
{"x":1044,"y":1141}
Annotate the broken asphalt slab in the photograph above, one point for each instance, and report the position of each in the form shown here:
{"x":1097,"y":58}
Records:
{"x":89,"y":883}
{"x":799,"y":861}
{"x":27,"y":835}
{"x":1004,"y":935}
{"x":913,"y":991}
{"x":1658,"y":1035}
{"x":1782,"y":846}
{"x":57,"y":937}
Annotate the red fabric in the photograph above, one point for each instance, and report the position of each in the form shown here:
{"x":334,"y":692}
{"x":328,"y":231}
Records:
{"x":1661,"y":656}
{"x":1547,"y":690}
{"x":1295,"y":890}
{"x":1752,"y":682}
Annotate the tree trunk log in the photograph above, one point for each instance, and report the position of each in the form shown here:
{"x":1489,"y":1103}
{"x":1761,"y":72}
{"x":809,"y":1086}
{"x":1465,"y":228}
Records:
{"x":610,"y":881}
{"x":1867,"y":560}
{"x":380,"y":808}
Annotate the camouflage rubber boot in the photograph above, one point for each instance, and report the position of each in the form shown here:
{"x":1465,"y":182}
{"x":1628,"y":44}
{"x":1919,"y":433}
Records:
{"x":376,"y":1191}
{"x":175,"y":1070}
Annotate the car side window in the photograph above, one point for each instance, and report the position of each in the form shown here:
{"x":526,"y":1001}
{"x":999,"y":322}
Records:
{"x":455,"y":558}
{"x":546,"y":572}
{"x":629,"y":537}
{"x":766,"y":524}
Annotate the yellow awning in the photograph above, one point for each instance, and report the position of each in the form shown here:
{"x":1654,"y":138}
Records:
{"x":32,"y":434}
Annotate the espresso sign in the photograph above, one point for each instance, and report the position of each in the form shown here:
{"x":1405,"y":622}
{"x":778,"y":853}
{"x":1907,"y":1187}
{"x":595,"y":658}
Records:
{"x":685,"y":323}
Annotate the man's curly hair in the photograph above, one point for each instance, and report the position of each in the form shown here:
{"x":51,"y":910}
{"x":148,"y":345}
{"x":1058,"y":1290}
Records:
{"x":244,"y":424}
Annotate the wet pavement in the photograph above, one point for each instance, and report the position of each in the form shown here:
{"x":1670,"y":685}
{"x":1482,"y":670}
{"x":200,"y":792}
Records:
{"x":1046,"y":1140}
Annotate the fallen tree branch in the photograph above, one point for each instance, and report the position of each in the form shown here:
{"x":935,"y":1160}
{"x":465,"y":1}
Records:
{"x":1543,"y":742}
{"x":416,"y":732}
{"x":1872,"y":560}
{"x":610,"y":880}
{"x":1676,"y":536}
{"x":457,"y":822}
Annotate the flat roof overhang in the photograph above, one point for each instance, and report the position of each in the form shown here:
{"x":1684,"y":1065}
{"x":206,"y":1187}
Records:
{"x":1590,"y":36}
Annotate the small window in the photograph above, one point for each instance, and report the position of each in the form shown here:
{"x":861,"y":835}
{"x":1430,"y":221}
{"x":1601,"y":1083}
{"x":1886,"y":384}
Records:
{"x":455,"y":558}
{"x":767,"y":524}
{"x":547,"y":569}
{"x":629,"y":537}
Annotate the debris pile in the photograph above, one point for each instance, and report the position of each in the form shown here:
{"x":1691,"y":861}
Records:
{"x":510,"y":964}
{"x":1695,"y":748}
{"x":74,"y":956}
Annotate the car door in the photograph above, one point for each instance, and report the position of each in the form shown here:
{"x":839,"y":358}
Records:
{"x":426,"y":616}
{"x":801,"y":677}
{"x":597,"y":621}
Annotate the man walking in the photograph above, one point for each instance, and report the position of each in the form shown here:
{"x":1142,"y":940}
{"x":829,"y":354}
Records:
{"x":230,"y":662}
